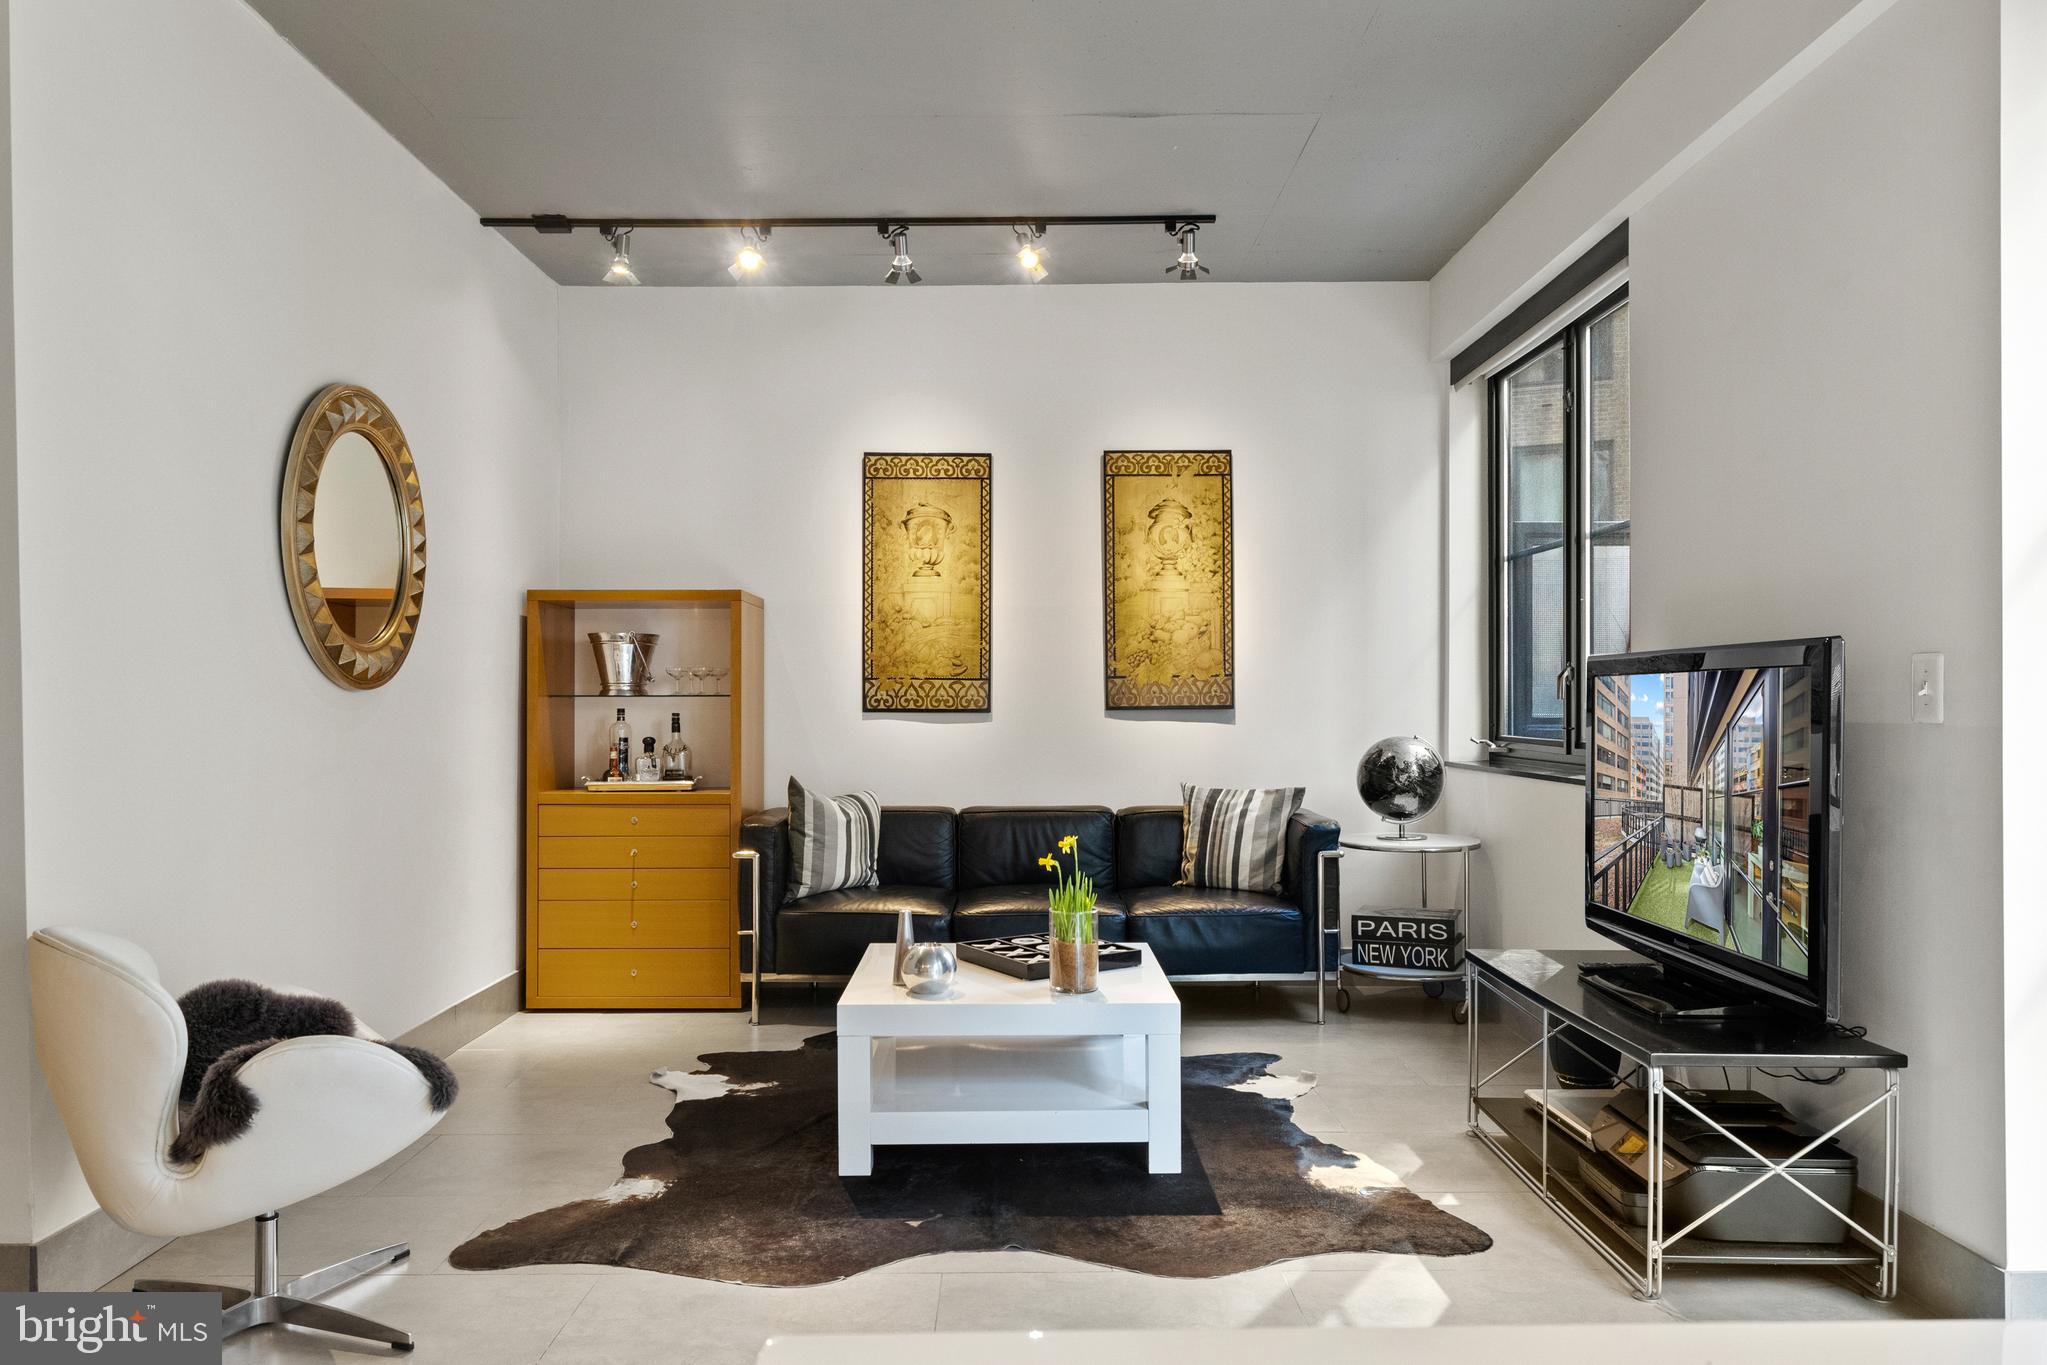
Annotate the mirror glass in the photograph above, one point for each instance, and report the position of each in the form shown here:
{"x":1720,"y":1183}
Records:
{"x":358,"y":535}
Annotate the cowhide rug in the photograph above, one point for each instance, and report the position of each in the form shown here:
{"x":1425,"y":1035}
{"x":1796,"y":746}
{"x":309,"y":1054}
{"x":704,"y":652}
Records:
{"x":747,"y":1188}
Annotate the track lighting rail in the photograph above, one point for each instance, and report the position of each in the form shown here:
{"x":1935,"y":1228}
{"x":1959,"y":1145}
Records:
{"x":559,"y":223}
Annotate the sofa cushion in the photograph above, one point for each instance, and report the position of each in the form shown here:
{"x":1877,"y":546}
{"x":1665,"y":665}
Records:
{"x":919,"y":846}
{"x":1000,"y":911}
{"x":1148,"y":845}
{"x":825,"y":934}
{"x":1199,"y":932}
{"x":1236,"y":836}
{"x":1001,"y":845}
{"x":833,"y":840}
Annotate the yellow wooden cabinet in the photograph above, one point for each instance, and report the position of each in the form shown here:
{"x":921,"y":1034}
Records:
{"x":632,"y":898}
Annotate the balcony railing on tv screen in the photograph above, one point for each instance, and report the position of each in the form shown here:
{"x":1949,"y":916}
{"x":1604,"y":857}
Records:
{"x":1618,"y":874}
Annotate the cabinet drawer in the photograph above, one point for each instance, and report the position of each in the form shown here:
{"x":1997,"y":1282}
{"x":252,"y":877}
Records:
{"x":635,"y":924}
{"x":626,"y":973}
{"x":635,"y":851}
{"x":648,"y":883}
{"x":630,"y":820}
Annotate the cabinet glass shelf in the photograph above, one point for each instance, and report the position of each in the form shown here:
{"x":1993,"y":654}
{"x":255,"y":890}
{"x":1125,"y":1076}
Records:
{"x":638,"y":696}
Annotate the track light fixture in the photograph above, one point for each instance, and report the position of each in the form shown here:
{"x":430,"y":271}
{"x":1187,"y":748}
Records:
{"x":1029,"y":230}
{"x":750,"y":259}
{"x":901,"y":270}
{"x":1030,"y":257}
{"x":621,"y":268}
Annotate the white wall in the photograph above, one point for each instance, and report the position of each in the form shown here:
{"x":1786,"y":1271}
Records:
{"x":1723,"y":66}
{"x":1815,"y":354}
{"x":15,"y":1033}
{"x":713,"y":437}
{"x":207,"y":233}
{"x":1816,"y":437}
{"x":2023,"y":203}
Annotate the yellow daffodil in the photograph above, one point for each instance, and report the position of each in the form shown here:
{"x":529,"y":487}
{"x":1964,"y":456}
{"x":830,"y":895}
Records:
{"x":1068,"y":844}
{"x":1047,"y":863}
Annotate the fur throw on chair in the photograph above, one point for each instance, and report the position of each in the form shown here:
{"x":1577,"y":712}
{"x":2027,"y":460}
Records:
{"x":229,"y":1022}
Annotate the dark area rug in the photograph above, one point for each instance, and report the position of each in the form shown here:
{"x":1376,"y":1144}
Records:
{"x":747,"y":1189}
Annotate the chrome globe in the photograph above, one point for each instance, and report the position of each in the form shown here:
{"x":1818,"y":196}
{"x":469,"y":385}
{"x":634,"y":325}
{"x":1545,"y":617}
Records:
{"x":1400,"y":779}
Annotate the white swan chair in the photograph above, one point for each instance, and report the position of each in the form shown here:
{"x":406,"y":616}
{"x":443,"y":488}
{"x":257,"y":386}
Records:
{"x":112,"y":1045}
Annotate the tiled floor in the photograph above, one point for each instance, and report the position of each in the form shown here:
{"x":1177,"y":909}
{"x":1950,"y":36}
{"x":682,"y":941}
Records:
{"x":551,"y":1101}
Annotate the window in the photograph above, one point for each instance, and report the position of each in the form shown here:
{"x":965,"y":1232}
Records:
{"x":1561,"y":516}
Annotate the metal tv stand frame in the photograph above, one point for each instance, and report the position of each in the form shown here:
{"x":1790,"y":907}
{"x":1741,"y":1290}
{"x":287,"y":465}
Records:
{"x":1543,"y":989}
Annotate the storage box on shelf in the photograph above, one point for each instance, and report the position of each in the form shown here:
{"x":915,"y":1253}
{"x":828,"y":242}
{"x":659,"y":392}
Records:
{"x":631,"y":897}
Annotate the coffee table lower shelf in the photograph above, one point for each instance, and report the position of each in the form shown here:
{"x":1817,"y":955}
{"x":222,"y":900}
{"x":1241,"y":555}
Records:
{"x":1516,"y":1136}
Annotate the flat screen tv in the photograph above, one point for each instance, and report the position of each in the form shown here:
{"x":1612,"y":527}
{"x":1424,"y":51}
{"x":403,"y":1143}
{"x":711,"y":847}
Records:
{"x":1713,"y":816}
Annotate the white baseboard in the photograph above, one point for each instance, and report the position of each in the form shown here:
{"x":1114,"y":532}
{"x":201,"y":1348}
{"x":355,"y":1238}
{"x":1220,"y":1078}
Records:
{"x":463,"y":1022}
{"x":2025,"y":1294}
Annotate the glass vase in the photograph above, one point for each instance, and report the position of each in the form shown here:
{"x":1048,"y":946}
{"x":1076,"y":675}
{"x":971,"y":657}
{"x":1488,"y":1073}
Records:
{"x":1076,"y":953}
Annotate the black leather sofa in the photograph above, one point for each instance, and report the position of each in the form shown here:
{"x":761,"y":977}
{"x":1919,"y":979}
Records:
{"x":974,"y":873}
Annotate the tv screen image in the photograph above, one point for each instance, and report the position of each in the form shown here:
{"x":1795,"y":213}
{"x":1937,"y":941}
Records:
{"x":1711,"y":819}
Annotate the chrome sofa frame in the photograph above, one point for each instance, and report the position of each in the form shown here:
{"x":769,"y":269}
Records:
{"x":756,"y":978}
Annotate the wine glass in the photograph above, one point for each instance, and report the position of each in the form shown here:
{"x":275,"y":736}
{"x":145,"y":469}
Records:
{"x":677,"y":674}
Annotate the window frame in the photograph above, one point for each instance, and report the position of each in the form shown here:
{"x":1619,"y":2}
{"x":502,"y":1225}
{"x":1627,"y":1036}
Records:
{"x":1570,"y":754}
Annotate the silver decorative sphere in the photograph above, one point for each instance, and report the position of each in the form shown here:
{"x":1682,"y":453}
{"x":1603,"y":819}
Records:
{"x":1400,"y":778}
{"x":928,"y":968}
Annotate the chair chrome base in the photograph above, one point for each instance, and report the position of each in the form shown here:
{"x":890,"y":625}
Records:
{"x":291,"y":1303}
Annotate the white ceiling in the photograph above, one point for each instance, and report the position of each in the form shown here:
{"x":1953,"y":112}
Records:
{"x":1335,"y":139}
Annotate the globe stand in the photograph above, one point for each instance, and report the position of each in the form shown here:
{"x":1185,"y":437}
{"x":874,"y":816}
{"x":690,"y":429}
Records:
{"x":1401,"y":834}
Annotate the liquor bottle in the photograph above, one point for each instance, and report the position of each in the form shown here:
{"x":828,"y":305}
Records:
{"x":674,"y":754}
{"x":620,"y":761}
{"x":648,"y":769}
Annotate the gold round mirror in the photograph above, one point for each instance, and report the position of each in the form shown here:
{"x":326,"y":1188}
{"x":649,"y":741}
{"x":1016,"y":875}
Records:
{"x":354,"y":537}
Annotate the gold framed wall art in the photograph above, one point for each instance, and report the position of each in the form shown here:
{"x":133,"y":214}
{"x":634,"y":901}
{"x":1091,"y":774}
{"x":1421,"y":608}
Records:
{"x":1169,"y":621}
{"x":925,"y":626}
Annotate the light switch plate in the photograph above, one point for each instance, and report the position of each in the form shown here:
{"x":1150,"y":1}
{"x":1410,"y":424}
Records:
{"x":1929,"y":689}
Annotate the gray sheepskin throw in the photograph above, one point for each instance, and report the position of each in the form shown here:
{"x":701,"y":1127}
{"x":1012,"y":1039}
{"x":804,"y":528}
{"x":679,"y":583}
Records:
{"x":229,"y":1022}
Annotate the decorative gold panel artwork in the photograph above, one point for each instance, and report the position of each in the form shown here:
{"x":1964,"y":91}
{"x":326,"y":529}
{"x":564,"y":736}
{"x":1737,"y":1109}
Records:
{"x":925,"y":582}
{"x":1166,"y":579}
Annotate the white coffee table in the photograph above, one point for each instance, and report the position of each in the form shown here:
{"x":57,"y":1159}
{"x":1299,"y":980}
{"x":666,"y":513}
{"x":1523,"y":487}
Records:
{"x":1002,"y":1060}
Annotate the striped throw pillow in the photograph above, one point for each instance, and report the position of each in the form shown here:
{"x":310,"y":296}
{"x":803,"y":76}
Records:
{"x":834,"y":841}
{"x":1236,"y":836}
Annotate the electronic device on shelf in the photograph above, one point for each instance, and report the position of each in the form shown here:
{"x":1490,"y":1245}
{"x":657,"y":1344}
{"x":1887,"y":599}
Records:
{"x":1572,"y":1111}
{"x":1712,"y":828}
{"x":1702,"y":1167}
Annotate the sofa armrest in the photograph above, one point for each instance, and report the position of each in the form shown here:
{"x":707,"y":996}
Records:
{"x":1308,"y":837}
{"x":766,"y":834}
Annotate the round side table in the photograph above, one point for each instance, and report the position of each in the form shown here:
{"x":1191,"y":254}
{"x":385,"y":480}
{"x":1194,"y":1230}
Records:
{"x":1433,"y":983}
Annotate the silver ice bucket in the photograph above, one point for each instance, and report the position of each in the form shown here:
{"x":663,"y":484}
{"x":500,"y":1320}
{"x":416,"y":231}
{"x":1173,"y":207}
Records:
{"x":625,"y":660}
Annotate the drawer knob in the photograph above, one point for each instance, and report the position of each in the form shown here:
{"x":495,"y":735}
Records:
{"x":636,"y":886}
{"x":636,"y":819}
{"x":635,"y":853}
{"x":635,"y":924}
{"x":636,"y":971}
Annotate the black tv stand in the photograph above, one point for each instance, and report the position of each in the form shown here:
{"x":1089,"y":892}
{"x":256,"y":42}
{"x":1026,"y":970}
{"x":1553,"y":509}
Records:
{"x":1525,"y":1003}
{"x":1665,"y":995}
